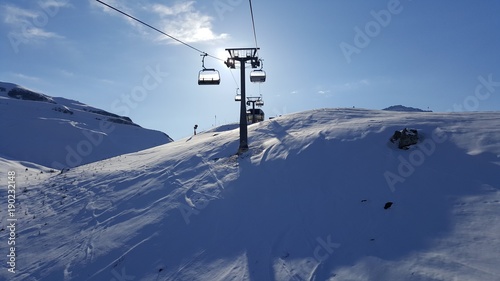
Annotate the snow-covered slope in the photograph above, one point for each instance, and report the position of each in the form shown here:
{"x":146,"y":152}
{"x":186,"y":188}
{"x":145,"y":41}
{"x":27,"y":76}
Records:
{"x":60,"y":133}
{"x":305,"y":203}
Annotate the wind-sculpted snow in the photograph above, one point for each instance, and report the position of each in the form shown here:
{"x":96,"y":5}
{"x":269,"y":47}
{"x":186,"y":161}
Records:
{"x":306,"y":202}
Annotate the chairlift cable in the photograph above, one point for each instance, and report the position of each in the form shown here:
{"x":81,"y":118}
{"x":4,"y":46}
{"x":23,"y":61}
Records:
{"x":234,"y":79}
{"x":156,"y":29}
{"x":172,"y":37}
{"x":253,"y":24}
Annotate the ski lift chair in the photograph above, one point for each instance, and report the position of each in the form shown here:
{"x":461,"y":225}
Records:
{"x":238,"y":95}
{"x":208,"y":76}
{"x":258,"y":76}
{"x":259,"y":115}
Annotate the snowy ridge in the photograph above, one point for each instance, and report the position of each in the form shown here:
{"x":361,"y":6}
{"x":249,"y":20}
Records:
{"x":305,"y":203}
{"x":61,"y":133}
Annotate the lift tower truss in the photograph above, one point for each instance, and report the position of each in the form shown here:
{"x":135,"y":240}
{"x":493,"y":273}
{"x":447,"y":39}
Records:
{"x":243,"y":55}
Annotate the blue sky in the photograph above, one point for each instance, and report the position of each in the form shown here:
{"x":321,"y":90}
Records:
{"x":437,"y":55}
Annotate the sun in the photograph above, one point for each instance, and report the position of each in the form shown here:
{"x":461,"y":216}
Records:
{"x":221,"y":54}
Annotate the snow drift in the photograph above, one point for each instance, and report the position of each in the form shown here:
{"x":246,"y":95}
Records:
{"x":309,"y":201}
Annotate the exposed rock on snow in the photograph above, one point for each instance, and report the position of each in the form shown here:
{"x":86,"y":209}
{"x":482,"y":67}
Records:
{"x":25,"y":94}
{"x":405,"y":138}
{"x":388,"y":205}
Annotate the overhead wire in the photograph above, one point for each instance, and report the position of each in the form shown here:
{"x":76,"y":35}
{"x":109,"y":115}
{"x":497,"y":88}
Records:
{"x":158,"y":30}
{"x":253,"y":24}
{"x":234,"y":79}
{"x":180,"y":41}
{"x":254,"y":35}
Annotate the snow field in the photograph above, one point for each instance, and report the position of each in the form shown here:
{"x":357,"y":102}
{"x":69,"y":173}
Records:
{"x":305,"y":203}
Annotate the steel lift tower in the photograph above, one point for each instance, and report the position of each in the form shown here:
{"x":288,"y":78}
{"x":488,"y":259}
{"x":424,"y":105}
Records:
{"x":243,"y":55}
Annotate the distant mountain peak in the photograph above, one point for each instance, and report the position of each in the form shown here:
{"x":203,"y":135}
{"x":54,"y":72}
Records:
{"x":405,"y":108}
